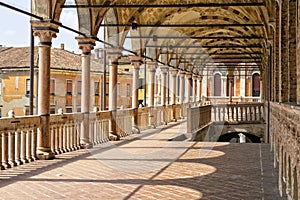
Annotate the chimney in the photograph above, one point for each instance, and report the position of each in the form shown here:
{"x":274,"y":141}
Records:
{"x":62,"y":46}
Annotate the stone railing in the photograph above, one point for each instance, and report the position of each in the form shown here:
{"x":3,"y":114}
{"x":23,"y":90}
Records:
{"x":285,"y":138}
{"x":240,"y":112}
{"x":18,"y":135}
{"x":223,"y":100}
{"x":198,"y":117}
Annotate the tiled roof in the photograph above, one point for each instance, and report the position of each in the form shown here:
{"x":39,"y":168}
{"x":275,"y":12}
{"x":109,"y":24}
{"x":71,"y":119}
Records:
{"x":19,"y":57}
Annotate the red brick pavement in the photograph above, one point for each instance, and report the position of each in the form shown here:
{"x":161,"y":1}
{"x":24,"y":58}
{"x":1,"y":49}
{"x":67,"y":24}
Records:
{"x":148,"y":166}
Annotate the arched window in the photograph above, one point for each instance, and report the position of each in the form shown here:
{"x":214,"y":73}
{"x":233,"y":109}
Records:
{"x":217,"y":85}
{"x":255,"y":85}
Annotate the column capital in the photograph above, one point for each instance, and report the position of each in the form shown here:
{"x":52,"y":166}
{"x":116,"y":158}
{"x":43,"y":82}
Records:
{"x":86,"y":44}
{"x":173,"y":72}
{"x":164,"y":69}
{"x":136,"y":61}
{"x":152,"y":65}
{"x":200,"y":77}
{"x":182,"y":73}
{"x":195,"y":76}
{"x":188,"y":75}
{"x":45,"y":30}
{"x":113,"y":55}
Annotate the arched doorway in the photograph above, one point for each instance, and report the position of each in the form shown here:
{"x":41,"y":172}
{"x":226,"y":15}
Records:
{"x":255,"y":85}
{"x":230,"y":137}
{"x":217,"y":85}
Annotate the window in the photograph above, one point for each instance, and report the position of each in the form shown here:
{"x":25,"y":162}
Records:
{"x":68,"y":110}
{"x":128,"y":89}
{"x":256,"y":85}
{"x":52,"y":110}
{"x":69,"y":87}
{"x":96,"y":88}
{"x":79,"y":87}
{"x":52,"y":87}
{"x":27,"y":86}
{"x":217,"y":85}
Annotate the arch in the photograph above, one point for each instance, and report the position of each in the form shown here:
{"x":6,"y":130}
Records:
{"x":256,"y":85}
{"x":111,"y":33}
{"x":217,"y":84}
{"x":249,"y":137}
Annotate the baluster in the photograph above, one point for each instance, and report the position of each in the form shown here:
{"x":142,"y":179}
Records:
{"x":28,"y":146}
{"x":56,"y":139}
{"x":68,"y":137}
{"x":52,"y":138}
{"x":1,"y":152}
{"x":78,"y":135}
{"x":64,"y":139}
{"x":72,"y":137}
{"x":18,"y":147}
{"x":11,"y":147}
{"x":34,"y":143}
{"x":260,"y":116}
{"x":23,"y":146}
{"x":60,"y":143}
{"x":242,"y":113}
{"x":5,"y":150}
{"x":75,"y":136}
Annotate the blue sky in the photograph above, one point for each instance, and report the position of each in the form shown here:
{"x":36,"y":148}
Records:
{"x":15,"y":27}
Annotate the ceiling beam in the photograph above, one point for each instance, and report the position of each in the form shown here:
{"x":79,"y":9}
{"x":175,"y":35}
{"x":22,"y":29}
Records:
{"x":254,"y":37}
{"x":205,"y":46}
{"x":178,"y":5}
{"x":181,"y":25}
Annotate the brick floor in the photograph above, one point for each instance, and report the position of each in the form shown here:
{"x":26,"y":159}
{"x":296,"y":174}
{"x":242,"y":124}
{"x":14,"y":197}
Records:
{"x":148,"y":166}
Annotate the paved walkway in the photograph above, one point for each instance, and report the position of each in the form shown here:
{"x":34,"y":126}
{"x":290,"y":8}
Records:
{"x":149,"y":166}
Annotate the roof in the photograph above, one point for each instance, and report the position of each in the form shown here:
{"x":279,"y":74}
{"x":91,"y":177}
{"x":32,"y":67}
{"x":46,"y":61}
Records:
{"x":19,"y":57}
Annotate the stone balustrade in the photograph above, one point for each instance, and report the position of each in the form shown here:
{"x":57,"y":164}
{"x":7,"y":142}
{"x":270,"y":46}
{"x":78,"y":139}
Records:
{"x":18,"y":135}
{"x":239,"y":112}
{"x":198,"y":117}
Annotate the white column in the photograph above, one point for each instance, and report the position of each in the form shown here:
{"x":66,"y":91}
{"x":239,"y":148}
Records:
{"x":174,"y":85}
{"x":189,"y":86}
{"x":136,"y":63}
{"x":242,"y":84}
{"x":224,"y":86}
{"x":195,"y":86}
{"x":199,"y":88}
{"x":113,"y":56}
{"x":152,"y":69}
{"x":164,"y":71}
{"x":204,"y":84}
{"x":86,"y":45}
{"x":182,"y":86}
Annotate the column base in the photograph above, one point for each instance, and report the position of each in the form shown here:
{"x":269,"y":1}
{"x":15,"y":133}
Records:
{"x":45,"y":154}
{"x":114,"y":136}
{"x":86,"y":145}
{"x":136,"y":130}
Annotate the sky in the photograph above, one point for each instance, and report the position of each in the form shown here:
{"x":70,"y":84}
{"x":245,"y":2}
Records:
{"x":15,"y":27}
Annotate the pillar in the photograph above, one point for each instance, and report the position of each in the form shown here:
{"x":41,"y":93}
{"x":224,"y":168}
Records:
{"x":136,"y":63}
{"x":194,"y":79}
{"x":182,"y":86}
{"x":199,"y":88}
{"x":231,"y":82}
{"x":174,"y":85}
{"x":45,"y":32}
{"x":164,"y":71}
{"x":242,"y":83}
{"x":113,"y":57}
{"x":224,"y":86}
{"x":189,"y":86}
{"x":152,"y":69}
{"x":86,"y":45}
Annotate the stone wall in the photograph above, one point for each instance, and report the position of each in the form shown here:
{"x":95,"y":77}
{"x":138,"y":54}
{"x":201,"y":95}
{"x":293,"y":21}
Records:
{"x":285,"y":138}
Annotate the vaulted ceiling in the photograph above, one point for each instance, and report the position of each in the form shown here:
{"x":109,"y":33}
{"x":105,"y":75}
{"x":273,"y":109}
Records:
{"x":188,"y":34}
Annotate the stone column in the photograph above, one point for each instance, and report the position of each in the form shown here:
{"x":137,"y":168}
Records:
{"x":164,"y":71}
{"x":45,"y":32}
{"x":199,"y":88}
{"x":152,"y":69}
{"x":113,"y":57}
{"x":224,"y":84}
{"x":182,"y":86}
{"x":242,"y":84}
{"x":174,"y":85}
{"x":195,"y":86}
{"x":86,"y":45}
{"x":189,"y":86}
{"x":136,"y":63}
{"x":231,"y":80}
